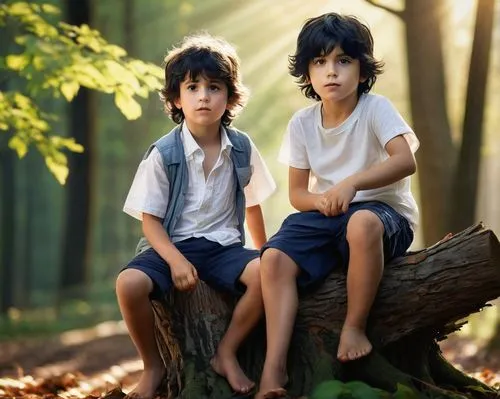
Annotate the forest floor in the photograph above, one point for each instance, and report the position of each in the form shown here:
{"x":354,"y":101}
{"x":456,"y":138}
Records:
{"x":91,"y":362}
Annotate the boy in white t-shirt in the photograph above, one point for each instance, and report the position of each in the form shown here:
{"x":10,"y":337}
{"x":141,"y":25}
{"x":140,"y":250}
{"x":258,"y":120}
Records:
{"x":191,"y":192}
{"x":350,"y":156}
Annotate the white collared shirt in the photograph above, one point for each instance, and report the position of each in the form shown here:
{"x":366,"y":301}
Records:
{"x":210,"y":206}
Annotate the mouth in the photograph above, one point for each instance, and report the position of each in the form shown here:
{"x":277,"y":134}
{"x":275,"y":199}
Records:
{"x":332,"y":85}
{"x":203,"y":109}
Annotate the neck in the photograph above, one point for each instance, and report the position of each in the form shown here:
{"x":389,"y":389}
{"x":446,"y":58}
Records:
{"x":203,"y":134}
{"x":333,"y":113}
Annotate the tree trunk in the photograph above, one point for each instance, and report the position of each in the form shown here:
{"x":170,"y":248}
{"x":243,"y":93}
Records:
{"x":437,"y":157}
{"x":466,"y":176}
{"x":445,"y":176}
{"x":78,"y":201}
{"x":422,"y":298}
{"x":7,"y":212}
{"x":7,"y":199}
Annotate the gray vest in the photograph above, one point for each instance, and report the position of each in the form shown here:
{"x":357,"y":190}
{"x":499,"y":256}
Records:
{"x":174,"y":161}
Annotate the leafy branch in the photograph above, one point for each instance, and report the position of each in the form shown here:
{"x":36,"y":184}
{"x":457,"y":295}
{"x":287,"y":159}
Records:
{"x":58,"y":58}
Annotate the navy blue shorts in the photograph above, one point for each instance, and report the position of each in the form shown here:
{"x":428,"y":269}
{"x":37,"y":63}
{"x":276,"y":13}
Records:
{"x":219,"y":266}
{"x":318,"y":244}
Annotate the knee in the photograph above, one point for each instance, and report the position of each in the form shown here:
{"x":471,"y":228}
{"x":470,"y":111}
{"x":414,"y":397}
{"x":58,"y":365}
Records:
{"x":251,"y":276}
{"x":364,"y":228}
{"x":276,"y":265}
{"x":133,"y":284}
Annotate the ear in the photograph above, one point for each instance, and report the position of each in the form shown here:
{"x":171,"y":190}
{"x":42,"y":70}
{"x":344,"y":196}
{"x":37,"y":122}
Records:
{"x":177,"y":103}
{"x":362,"y":79}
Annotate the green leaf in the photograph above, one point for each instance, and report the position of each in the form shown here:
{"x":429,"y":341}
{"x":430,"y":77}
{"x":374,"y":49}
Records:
{"x":404,"y":392}
{"x":127,"y":105}
{"x":17,"y":62}
{"x":20,"y":8}
{"x":70,"y":89}
{"x":121,"y":74}
{"x":44,"y":30}
{"x":69,"y":143}
{"x":50,"y":9}
{"x":115,"y":51}
{"x":38,"y":62}
{"x":19,"y":145}
{"x":22,"y":101}
{"x":58,"y":169}
{"x":361,"y":390}
{"x":93,"y":73}
{"x":328,"y":390}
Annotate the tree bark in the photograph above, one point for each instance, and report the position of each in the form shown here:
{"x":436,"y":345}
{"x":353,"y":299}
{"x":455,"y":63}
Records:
{"x":423,"y":297}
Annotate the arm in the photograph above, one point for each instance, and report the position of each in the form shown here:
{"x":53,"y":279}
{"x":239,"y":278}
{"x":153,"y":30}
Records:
{"x":184,"y":274}
{"x":401,"y":163}
{"x":259,"y":188}
{"x":255,"y":223}
{"x":300,"y":196}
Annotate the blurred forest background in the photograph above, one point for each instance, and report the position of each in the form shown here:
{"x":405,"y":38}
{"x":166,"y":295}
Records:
{"x":63,"y":244}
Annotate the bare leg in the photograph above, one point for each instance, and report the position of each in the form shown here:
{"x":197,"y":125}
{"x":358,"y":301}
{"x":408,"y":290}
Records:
{"x":246,"y":315}
{"x":132,"y":290}
{"x":277,"y":270}
{"x":366,"y":264}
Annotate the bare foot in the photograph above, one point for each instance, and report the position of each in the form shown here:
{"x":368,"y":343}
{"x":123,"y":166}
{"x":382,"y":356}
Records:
{"x":148,"y":384}
{"x":272,"y":385}
{"x":229,"y":368}
{"x":272,"y":393}
{"x":353,"y":344}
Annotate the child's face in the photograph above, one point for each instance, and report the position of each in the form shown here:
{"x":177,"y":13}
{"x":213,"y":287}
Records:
{"x":335,"y":76}
{"x":203,"y":101}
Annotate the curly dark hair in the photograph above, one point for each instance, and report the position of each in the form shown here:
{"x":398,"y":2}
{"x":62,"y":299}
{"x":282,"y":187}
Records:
{"x":320,"y":35}
{"x":214,"y":58}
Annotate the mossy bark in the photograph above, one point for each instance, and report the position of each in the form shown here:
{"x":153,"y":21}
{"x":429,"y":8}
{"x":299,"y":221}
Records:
{"x":424,"y":296}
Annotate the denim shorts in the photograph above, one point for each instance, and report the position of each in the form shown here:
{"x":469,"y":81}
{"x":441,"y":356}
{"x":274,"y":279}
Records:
{"x":217,"y":265}
{"x":318,"y":244}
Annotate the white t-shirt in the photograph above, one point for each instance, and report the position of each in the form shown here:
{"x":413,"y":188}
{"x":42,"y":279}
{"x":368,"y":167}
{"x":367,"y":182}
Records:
{"x":358,"y":143}
{"x":210,"y":206}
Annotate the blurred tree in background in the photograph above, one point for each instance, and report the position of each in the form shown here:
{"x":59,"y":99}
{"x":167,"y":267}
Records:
{"x":449,"y":169}
{"x":49,"y":58}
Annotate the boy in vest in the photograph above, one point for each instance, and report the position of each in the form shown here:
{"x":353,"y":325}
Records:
{"x":192,"y":191}
{"x":350,"y":155}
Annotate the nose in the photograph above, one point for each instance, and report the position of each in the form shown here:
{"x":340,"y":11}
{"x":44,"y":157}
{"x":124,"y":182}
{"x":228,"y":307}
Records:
{"x":204,"y":95}
{"x":332,"y":71}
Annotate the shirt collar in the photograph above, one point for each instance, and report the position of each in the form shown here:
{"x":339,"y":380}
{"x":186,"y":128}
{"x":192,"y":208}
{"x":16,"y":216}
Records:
{"x":190,"y":144}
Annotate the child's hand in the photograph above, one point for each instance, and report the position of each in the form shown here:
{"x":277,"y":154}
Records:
{"x":336,"y":200}
{"x":184,"y":275}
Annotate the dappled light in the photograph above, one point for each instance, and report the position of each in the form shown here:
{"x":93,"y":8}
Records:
{"x":105,"y":329}
{"x":79,"y":107}
{"x":68,"y":385}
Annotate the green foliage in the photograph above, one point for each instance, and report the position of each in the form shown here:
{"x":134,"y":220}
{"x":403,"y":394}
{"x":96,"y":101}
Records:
{"x":404,"y":392}
{"x":58,"y":58}
{"x":335,"y":389}
{"x":20,"y":113}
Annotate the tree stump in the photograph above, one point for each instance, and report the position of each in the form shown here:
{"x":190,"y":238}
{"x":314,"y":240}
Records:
{"x":424,"y":296}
